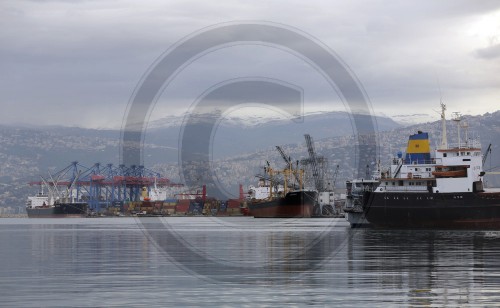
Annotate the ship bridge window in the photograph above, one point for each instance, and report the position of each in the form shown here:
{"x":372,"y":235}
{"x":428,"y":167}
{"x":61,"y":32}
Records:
{"x":445,"y":154}
{"x":458,"y":154}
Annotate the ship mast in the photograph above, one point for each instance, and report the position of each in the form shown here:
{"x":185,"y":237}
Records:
{"x":444,"y":139}
{"x":465,"y":126}
{"x":457,"y":118}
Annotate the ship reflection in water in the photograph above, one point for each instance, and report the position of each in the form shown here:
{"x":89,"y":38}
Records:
{"x":427,"y":268}
{"x":241,"y":260}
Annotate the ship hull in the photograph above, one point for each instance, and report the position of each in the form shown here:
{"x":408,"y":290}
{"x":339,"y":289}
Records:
{"x":296,"y":204}
{"x":356,"y":220}
{"x":433,"y":210}
{"x":62,"y":210}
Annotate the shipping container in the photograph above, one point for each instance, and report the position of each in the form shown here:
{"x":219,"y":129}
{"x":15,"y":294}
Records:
{"x":234,"y":212}
{"x":223,"y":207}
{"x":182,"y":208}
{"x":233,"y":203}
{"x":196,"y":208}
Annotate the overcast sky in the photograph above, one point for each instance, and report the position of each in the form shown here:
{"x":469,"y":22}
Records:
{"x":77,"y":62}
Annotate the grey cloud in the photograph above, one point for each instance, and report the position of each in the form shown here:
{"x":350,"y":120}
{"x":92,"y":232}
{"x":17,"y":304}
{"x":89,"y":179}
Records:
{"x":89,"y":55}
{"x":490,"y":52}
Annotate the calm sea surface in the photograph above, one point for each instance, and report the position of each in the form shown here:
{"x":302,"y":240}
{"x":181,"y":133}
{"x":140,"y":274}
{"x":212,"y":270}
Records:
{"x":241,"y":261}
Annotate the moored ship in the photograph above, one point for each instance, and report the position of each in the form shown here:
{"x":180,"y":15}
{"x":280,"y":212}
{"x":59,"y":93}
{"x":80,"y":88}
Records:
{"x":444,"y":191}
{"x":295,"y":204}
{"x":288,"y":199}
{"x":58,"y":210}
{"x":47,"y":206}
{"x":353,"y":206}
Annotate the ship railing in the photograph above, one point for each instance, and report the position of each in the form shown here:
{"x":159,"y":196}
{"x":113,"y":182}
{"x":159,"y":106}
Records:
{"x":422,"y":162}
{"x":470,"y":144}
{"x":431,"y":161}
{"x":403,"y":188}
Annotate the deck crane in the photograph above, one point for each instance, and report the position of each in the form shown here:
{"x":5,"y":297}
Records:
{"x":488,"y":151}
{"x":268,"y":178}
{"x":52,"y":193}
{"x":335,"y":174}
{"x":69,"y":190}
{"x":289,"y":163}
{"x":318,"y":183}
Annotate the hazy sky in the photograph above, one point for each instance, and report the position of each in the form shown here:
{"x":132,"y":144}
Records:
{"x":78,"y":62}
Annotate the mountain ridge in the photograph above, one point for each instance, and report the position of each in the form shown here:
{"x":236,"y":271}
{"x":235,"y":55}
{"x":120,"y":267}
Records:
{"x":27,"y":152}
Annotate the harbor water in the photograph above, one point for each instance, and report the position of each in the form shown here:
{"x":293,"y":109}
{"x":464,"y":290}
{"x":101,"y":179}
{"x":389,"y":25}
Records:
{"x":241,"y":261}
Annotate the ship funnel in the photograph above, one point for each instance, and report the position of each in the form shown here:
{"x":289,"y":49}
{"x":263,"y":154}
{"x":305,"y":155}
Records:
{"x":418,"y":150}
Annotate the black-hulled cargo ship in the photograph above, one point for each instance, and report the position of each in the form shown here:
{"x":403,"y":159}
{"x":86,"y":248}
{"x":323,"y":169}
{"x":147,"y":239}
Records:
{"x":273,"y":199}
{"x":71,"y":209}
{"x":44,"y":206}
{"x":464,"y":210}
{"x":295,"y":204}
{"x":444,"y":191}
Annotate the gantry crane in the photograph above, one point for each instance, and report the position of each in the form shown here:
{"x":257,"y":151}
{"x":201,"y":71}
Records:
{"x":313,"y":159}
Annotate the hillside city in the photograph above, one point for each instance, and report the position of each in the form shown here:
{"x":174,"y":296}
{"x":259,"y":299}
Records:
{"x":26,"y":153}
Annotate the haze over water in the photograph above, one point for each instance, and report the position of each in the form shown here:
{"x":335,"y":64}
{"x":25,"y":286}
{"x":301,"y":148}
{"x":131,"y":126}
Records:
{"x":238,"y":261}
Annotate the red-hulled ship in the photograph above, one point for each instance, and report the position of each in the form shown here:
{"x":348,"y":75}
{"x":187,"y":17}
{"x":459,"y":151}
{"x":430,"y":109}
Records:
{"x":283,"y":198}
{"x":295,"y":204}
{"x":445,"y":191}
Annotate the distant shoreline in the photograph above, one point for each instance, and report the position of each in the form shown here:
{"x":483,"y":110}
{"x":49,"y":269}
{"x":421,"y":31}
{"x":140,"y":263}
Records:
{"x":14,"y":216}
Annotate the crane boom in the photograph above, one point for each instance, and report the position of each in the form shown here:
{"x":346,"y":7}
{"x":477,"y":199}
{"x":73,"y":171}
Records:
{"x":314,"y":162}
{"x":285,"y":158}
{"x":336,"y":173}
{"x":288,"y":160}
{"x":488,"y":150}
{"x":69,"y":190}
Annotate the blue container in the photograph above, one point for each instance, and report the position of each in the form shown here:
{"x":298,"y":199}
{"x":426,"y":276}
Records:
{"x":223,"y":206}
{"x":195,"y":208}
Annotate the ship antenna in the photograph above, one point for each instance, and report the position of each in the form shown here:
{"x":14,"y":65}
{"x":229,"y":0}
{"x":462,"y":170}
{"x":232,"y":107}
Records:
{"x":444,"y":139}
{"x":457,"y":118}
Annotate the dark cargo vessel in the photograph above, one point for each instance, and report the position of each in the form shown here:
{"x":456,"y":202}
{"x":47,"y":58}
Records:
{"x":444,"y":191}
{"x":433,"y":210}
{"x":295,"y":204}
{"x":58,"y":210}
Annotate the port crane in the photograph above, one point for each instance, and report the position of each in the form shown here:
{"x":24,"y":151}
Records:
{"x":313,"y":160}
{"x":325,"y":203}
{"x":485,"y":156}
{"x":335,"y":175}
{"x":102,"y":185}
{"x":289,"y":165}
{"x":488,"y":151}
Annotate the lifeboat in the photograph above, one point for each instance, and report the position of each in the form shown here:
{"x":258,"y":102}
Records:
{"x":448,"y":173}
